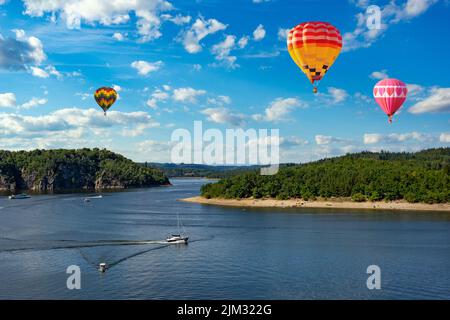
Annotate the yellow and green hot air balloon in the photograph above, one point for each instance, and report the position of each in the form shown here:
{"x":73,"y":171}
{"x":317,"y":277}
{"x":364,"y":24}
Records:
{"x":314,"y":46}
{"x":105,"y":97}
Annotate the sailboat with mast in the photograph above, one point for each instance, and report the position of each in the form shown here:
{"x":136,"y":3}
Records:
{"x":179,"y":238}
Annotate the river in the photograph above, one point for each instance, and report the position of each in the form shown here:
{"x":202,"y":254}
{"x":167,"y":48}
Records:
{"x":234,"y":253}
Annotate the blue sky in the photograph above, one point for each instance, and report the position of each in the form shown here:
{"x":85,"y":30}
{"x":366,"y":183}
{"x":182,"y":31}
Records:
{"x":222,"y":62}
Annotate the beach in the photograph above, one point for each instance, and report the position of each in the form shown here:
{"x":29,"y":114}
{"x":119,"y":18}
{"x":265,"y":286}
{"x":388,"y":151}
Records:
{"x":332,"y":204}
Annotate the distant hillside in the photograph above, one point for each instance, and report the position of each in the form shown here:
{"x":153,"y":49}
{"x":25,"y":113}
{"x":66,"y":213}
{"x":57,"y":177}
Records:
{"x":416,"y":177}
{"x":199,"y":170}
{"x":55,"y":170}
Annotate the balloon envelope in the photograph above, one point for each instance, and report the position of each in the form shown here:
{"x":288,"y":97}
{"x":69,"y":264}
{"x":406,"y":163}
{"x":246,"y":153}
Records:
{"x":314,"y":46}
{"x":105,"y":97}
{"x":390,"y":94}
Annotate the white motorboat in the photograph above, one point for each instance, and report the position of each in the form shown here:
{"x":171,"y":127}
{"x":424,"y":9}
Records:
{"x":19,"y":196}
{"x":177,"y":239}
{"x":95,"y":197}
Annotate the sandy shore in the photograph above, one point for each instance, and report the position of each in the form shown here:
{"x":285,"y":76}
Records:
{"x":333,"y":204}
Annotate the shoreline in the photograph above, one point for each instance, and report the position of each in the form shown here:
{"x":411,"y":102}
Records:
{"x":320,"y":204}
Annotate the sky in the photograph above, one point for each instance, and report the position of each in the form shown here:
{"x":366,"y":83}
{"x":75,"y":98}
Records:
{"x":221,"y":62}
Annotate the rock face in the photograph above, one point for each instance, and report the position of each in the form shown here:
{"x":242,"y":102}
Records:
{"x":57,"y":170}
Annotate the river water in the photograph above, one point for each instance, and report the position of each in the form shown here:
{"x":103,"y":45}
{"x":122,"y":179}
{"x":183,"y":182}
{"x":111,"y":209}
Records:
{"x":234,"y":253}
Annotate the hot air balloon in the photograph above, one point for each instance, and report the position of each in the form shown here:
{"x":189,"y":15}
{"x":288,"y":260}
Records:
{"x":105,"y":97}
{"x":390,"y":95}
{"x":314,"y":46}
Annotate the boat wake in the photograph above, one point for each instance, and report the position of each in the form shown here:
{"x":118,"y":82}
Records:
{"x":72,"y":244}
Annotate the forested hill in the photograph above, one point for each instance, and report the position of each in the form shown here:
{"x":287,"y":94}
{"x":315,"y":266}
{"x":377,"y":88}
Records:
{"x":55,"y":170}
{"x":416,"y":177}
{"x":173,"y":170}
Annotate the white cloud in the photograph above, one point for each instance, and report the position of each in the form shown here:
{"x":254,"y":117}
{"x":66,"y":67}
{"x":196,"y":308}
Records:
{"x":445,"y":137}
{"x":152,"y":103}
{"x":104,"y":12}
{"x":52,"y":71}
{"x":19,"y":53}
{"x":289,"y":142}
{"x":155,"y":146}
{"x":198,"y":31}
{"x":279,"y":109}
{"x":46,"y":72}
{"x":375,"y":138}
{"x":187,"y":94}
{"x":338,"y":95}
{"x":438,"y":100}
{"x":414,"y":89}
{"x":391,"y":13}
{"x":262,"y":55}
{"x":283,"y":34}
{"x":324,"y":140}
{"x":74,"y":119}
{"x":118,"y":36}
{"x":222,"y":52}
{"x":260,"y":1}
{"x":243,"y":42}
{"x":7,"y":100}
{"x":220,"y":100}
{"x":158,"y":96}
{"x":379,"y":75}
{"x":37,"y":53}
{"x":148,"y":25}
{"x":34,"y":102}
{"x":144,"y":67}
{"x":157,"y":151}
{"x":84,"y":95}
{"x":360,"y":3}
{"x":178,"y":19}
{"x":259,"y":33}
{"x":363,"y":98}
{"x":415,"y":8}
{"x":38,"y":72}
{"x":224,"y":116}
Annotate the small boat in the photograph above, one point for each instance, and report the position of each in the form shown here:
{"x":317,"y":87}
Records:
{"x":19,"y":196}
{"x":102,"y":267}
{"x":95,"y":197}
{"x":177,"y":238}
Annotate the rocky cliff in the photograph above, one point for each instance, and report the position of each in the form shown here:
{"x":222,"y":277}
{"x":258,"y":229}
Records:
{"x":57,"y":170}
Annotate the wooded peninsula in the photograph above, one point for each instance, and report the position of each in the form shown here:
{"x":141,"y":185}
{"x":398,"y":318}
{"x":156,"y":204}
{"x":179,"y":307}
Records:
{"x":421,"y":177}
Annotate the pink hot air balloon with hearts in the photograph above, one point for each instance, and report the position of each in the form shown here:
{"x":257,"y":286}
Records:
{"x":390,"y":95}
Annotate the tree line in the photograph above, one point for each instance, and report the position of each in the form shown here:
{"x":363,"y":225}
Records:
{"x":367,"y":176}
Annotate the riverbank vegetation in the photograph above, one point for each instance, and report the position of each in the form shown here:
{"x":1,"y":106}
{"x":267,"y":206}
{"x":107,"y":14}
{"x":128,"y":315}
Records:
{"x":367,"y":176}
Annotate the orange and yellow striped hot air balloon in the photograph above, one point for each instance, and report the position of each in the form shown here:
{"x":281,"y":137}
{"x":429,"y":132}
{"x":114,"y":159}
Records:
{"x":105,"y":98}
{"x":314,"y":46}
